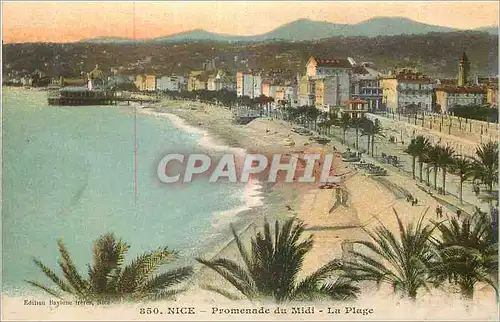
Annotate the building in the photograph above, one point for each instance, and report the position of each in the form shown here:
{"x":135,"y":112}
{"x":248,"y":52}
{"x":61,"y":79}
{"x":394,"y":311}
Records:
{"x":287,"y":94}
{"x":406,"y":89}
{"x":145,"y":83}
{"x":221,"y":81}
{"x":461,"y":94}
{"x":321,"y":67}
{"x":328,"y":93}
{"x":449,"y":97}
{"x":248,"y":84}
{"x":170,"y":83}
{"x":307,"y":91}
{"x":365,"y":86}
{"x":197,"y":81}
{"x":492,"y":96}
{"x":463,"y":70}
{"x":332,"y":82}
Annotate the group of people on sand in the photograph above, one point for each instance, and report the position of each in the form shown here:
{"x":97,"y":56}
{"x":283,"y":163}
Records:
{"x":413,"y":201}
{"x":439,"y":211}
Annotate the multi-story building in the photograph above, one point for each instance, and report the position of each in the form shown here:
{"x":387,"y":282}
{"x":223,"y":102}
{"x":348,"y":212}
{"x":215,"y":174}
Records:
{"x":328,"y":93}
{"x":492,"y":96}
{"x":145,"y":83}
{"x":307,"y":91}
{"x":197,"y":80}
{"x":365,"y":86}
{"x":287,"y":93}
{"x":224,"y":83}
{"x":248,"y":84}
{"x":449,"y":97}
{"x":170,"y":83}
{"x":406,"y":91}
{"x":332,"y":82}
{"x":462,"y":94}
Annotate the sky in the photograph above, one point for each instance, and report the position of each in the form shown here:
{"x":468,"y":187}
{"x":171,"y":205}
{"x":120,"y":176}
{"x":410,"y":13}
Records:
{"x":72,"y":21}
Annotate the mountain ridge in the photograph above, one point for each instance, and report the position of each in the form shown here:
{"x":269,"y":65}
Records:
{"x":307,"y":29}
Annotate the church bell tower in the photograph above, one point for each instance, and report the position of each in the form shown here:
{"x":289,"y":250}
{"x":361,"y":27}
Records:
{"x":463,"y":70}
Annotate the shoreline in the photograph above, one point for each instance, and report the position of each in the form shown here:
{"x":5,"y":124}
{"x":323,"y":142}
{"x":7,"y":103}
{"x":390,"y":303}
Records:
{"x":369,"y":203}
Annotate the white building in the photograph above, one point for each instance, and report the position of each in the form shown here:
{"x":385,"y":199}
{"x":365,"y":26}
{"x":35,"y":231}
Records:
{"x":288,"y":94}
{"x":170,"y":83}
{"x":406,"y":88}
{"x":464,"y":93}
{"x":221,"y":81}
{"x":331,"y":78}
{"x":248,"y":84}
{"x":449,"y":97}
{"x":365,"y":86}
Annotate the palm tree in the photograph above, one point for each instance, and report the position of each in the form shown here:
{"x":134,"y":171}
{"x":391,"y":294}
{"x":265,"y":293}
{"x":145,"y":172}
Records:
{"x":312,"y":115}
{"x":367,"y":129}
{"x":270,"y":269}
{"x":376,"y":130}
{"x":109,"y":280}
{"x":444,"y":160}
{"x":345,"y":123}
{"x":402,"y":263}
{"x":467,"y":253}
{"x":356,"y":123}
{"x":433,"y":161}
{"x":486,"y":164}
{"x":417,"y":149}
{"x":463,"y":168}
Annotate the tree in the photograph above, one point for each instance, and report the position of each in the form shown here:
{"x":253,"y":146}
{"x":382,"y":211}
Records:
{"x":444,"y":160}
{"x":330,"y":120}
{"x":270,"y":269}
{"x":486,"y":164}
{"x":467,"y":253}
{"x":417,"y":148}
{"x":463,"y":168}
{"x":367,"y":129}
{"x":345,"y":123}
{"x":109,"y":280}
{"x":402,"y":263}
{"x":376,"y":130}
{"x":356,"y":123}
{"x":433,"y":161}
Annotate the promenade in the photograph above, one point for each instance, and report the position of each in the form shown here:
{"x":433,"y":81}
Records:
{"x":382,"y":145}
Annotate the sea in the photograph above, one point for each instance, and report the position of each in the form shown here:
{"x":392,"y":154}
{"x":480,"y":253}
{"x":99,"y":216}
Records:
{"x":77,"y":173}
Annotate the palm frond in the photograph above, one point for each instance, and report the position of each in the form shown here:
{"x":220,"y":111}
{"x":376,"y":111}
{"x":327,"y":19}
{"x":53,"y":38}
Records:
{"x":233,"y":273}
{"x":53,"y":276}
{"x":139,"y":270}
{"x":108,"y":256}
{"x":71,"y":274}
{"x":221,"y":291}
{"x":165,"y":294}
{"x":310,"y":283}
{"x":167,"y":279}
{"x":45,"y":288}
{"x":341,"y":290}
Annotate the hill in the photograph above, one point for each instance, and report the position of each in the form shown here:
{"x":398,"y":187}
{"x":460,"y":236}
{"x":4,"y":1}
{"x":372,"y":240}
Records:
{"x":305,"y":29}
{"x":436,"y":54}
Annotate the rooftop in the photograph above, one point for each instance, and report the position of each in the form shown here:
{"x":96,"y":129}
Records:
{"x":331,"y":62}
{"x":409,"y":75}
{"x":76,"y":89}
{"x":462,"y":90}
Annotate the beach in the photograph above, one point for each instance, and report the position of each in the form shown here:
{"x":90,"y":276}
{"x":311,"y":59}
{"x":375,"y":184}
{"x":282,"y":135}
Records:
{"x":370,"y":202}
